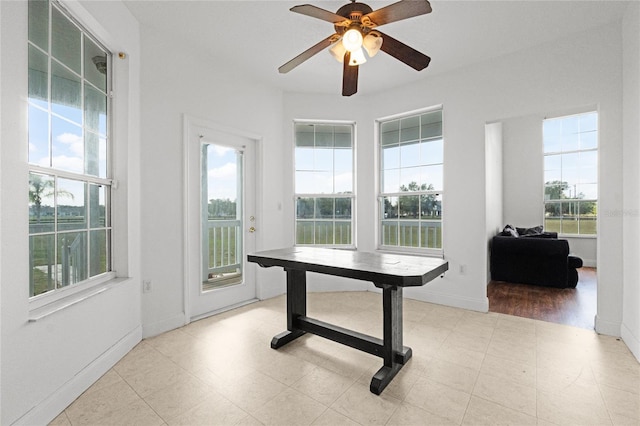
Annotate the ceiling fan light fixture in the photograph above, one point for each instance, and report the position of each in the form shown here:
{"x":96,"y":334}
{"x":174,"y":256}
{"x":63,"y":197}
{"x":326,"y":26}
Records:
{"x":357,"y":58}
{"x":352,"y":39}
{"x":338,"y":51}
{"x":372,"y":43}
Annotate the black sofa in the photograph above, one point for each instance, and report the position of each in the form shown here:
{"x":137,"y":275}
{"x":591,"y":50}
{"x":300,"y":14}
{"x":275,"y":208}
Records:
{"x":538,"y":258}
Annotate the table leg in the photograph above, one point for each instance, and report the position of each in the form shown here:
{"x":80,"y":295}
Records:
{"x":395,"y":355}
{"x":296,"y":306}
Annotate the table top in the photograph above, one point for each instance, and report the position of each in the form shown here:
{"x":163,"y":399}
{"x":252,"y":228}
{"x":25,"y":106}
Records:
{"x":380,"y":268}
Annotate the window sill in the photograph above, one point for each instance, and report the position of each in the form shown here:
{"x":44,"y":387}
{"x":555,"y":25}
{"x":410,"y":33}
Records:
{"x":578,"y":236}
{"x":438,"y":253}
{"x":61,"y":304}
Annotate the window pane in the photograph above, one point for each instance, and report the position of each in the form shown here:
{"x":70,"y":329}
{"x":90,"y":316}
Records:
{"x":431,"y":125}
{"x":324,"y":136}
{"x":431,"y":235}
{"x":390,"y":207}
{"x":323,"y":232}
{"x":431,"y":207}
{"x":38,"y":78}
{"x":409,"y":129}
{"x":71,"y":205}
{"x":390,"y":132}
{"x":409,"y":155}
{"x":431,"y":152}
{"x":409,"y":179}
{"x":96,"y":150}
{"x":98,"y":253}
{"x":67,"y":146}
{"x":324,"y":208}
{"x":41,"y":203}
{"x":588,"y":140}
{"x":95,"y":110}
{"x":72,"y":257}
{"x":431,"y":178}
{"x":97,"y":206}
{"x":39,"y":137}
{"x":305,"y":182}
{"x":553,"y":215}
{"x":588,"y":191}
{"x":42,"y":264}
{"x":570,"y":125}
{"x":65,"y":41}
{"x":304,"y":158}
{"x":409,"y":206}
{"x":342,"y":137}
{"x":305,"y":208}
{"x":39,"y":23}
{"x":409,"y":233}
{"x":389,"y":233}
{"x":304,"y":232}
{"x":343,"y":208}
{"x":342,"y":232}
{"x":66,"y":98}
{"x":391,"y":157}
{"x":95,"y":64}
{"x":589,"y":122}
{"x":304,"y":135}
{"x":391,"y":180}
{"x":323,"y":182}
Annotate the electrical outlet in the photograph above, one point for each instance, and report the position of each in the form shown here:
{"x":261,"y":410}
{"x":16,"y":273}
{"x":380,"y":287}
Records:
{"x":146,"y":286}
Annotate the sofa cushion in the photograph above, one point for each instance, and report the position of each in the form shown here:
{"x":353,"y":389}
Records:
{"x":536,"y":230}
{"x":509,"y":231}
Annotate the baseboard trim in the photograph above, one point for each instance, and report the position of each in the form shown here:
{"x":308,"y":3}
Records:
{"x":607,"y":327}
{"x":632,"y":341}
{"x":54,"y":404}
{"x":479,"y":305}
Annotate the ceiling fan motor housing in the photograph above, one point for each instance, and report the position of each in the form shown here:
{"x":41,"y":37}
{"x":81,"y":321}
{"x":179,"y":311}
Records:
{"x":353,"y":12}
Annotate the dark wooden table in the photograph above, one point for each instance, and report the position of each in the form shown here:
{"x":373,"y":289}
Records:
{"x":389,"y":272}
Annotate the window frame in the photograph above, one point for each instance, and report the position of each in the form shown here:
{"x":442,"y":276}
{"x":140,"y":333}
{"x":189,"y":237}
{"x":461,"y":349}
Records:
{"x":314,"y":195}
{"x":91,"y":284}
{"x":596,"y":149}
{"x":381,"y":195}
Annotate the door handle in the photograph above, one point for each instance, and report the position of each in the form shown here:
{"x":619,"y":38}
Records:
{"x":252,"y":229}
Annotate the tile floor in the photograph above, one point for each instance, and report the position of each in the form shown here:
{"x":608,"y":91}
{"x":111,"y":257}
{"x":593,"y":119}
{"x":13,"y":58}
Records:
{"x":467,"y":368}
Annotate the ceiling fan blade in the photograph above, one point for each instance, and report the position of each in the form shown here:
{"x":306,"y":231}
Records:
{"x":349,"y":76}
{"x":308,"y":53}
{"x":404,"y":53}
{"x":316,"y":12}
{"x":397,"y":11}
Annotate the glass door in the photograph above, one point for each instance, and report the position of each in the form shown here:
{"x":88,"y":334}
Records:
{"x":221,"y":187}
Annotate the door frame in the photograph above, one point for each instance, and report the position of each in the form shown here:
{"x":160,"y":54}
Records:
{"x":191,"y":129}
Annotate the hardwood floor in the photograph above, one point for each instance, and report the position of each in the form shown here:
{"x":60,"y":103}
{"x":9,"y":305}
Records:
{"x":570,"y":306}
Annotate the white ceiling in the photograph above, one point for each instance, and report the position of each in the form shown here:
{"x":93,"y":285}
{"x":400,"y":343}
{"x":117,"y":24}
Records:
{"x":257,"y":37}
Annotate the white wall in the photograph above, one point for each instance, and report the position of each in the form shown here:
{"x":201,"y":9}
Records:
{"x":524,"y":174}
{"x":48,"y":363}
{"x":550,"y":77}
{"x":178,"y":80}
{"x":631,"y":180}
{"x":493,"y":181}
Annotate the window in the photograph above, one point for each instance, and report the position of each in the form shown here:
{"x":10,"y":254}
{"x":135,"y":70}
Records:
{"x":571,"y":174}
{"x":324,"y":184}
{"x":411,"y":181}
{"x":69,"y":177}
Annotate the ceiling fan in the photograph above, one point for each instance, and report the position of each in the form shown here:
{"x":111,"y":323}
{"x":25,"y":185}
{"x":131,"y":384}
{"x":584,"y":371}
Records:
{"x":355,"y":26}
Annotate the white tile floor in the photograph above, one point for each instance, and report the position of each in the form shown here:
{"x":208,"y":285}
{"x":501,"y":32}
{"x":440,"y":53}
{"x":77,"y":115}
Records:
{"x":467,"y":368}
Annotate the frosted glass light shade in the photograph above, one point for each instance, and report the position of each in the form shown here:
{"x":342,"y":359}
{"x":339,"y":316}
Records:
{"x":357,"y":58}
{"x":372,"y":44}
{"x":352,"y":40}
{"x":338,"y":51}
